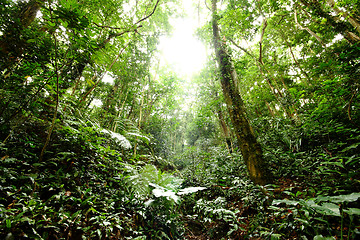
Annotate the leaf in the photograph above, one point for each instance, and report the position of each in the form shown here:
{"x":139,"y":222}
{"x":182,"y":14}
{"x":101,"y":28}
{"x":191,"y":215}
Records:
{"x":286,"y":201}
{"x":352,"y":159}
{"x":120,"y":138}
{"x":330,"y":209}
{"x":334,"y":163}
{"x":163,"y":193}
{"x":148,"y":202}
{"x":275,"y":236}
{"x":8,"y":223}
{"x":353,"y":146}
{"x":90,"y":82}
{"x":190,"y":190}
{"x":320,"y":237}
{"x":38,"y":164}
{"x":140,"y":136}
{"x":352,"y":211}
{"x":91,"y":210}
{"x":345,"y":198}
{"x":65,"y":24}
{"x":52,"y":24}
{"x":37,"y":234}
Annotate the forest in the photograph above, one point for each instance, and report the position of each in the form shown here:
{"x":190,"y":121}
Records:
{"x":100,"y":139}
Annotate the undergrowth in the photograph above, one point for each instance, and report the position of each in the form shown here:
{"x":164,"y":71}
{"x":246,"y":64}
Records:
{"x":90,"y":186}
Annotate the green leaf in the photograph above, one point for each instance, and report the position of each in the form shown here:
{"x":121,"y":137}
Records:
{"x":286,"y":201}
{"x":52,"y":24}
{"x":352,"y":211}
{"x":345,"y":198}
{"x":353,"y":146}
{"x":330,"y":209}
{"x":37,"y":164}
{"x":190,"y":190}
{"x":65,"y":24}
{"x":168,"y":194}
{"x":275,"y":236}
{"x":320,"y":237}
{"x":8,"y":223}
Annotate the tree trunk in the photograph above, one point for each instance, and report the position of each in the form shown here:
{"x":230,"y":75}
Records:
{"x":11,"y":43}
{"x":338,"y":26}
{"x":347,"y":16}
{"x":250,"y":148}
{"x":225,"y":130}
{"x":309,"y":31}
{"x":270,"y":79}
{"x":223,"y":126}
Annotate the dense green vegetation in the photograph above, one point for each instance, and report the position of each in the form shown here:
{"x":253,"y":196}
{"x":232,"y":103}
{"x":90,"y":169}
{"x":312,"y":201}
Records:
{"x":100,"y":141}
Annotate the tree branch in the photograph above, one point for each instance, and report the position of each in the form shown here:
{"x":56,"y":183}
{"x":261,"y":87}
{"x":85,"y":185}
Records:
{"x":262,"y":34}
{"x":309,"y":31}
{"x":241,"y":48}
{"x":153,"y":11}
{"x":261,"y":39}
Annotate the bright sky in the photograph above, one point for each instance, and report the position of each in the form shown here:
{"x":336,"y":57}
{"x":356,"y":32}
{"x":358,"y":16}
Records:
{"x":182,"y":50}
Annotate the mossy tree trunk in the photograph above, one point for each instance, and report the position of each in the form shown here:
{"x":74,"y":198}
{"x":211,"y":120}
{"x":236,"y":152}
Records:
{"x":11,"y":43}
{"x":249,"y":146}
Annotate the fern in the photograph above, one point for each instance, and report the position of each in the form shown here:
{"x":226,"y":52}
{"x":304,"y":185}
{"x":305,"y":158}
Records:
{"x":124,"y":143}
{"x":149,"y":177}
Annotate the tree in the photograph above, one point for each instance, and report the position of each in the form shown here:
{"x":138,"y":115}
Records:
{"x":11,"y":42}
{"x":250,"y":148}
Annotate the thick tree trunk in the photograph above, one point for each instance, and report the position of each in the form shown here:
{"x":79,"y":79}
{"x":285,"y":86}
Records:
{"x":250,"y":148}
{"x":11,"y":44}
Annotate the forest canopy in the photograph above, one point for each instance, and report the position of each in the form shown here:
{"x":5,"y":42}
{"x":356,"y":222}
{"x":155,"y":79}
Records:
{"x":100,"y":139}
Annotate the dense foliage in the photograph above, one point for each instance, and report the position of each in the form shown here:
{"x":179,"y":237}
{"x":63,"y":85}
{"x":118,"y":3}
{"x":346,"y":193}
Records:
{"x":100,"y":141}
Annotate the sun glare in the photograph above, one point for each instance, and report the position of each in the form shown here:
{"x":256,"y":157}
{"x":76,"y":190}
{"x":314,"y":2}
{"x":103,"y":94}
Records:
{"x":182,"y":50}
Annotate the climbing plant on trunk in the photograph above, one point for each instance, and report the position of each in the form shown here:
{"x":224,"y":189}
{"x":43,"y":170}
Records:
{"x":250,"y":148}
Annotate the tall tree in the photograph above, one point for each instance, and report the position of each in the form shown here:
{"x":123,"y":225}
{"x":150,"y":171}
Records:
{"x":11,"y":42}
{"x":250,"y":148}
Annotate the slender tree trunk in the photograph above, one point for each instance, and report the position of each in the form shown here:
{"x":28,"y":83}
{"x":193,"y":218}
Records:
{"x":269,"y":108}
{"x":120,"y":111}
{"x":225,"y":130}
{"x":347,"y":16}
{"x":268,"y":77}
{"x":309,"y":31}
{"x":140,"y":118}
{"x":250,"y":148}
{"x":338,"y":26}
{"x":223,"y":125}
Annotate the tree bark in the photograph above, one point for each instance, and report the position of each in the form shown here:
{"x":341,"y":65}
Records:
{"x":249,"y":146}
{"x":223,"y":125}
{"x":225,"y":129}
{"x":11,"y":44}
